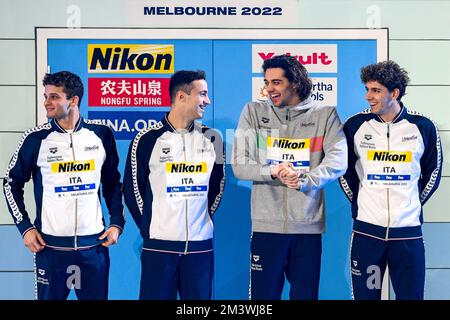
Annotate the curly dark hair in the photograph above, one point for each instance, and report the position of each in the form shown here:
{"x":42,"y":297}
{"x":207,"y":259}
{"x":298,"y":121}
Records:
{"x":389,"y":74}
{"x":70,"y":82}
{"x":294,"y":71}
{"x":182,"y":80}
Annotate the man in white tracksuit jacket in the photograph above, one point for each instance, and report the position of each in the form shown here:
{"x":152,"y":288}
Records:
{"x":395,"y":164}
{"x":173,"y":184}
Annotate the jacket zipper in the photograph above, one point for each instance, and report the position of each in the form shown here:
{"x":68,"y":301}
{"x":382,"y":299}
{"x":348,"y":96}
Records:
{"x":285,"y":191}
{"x":388,"y":189}
{"x":187,"y":224}
{"x":76,"y":199}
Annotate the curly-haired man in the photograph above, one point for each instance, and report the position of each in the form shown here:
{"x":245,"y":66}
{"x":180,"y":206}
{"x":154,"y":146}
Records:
{"x":290,"y":147}
{"x":394,"y":166}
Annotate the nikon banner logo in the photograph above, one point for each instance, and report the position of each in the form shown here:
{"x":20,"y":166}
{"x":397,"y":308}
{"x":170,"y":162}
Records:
{"x":73,"y":166}
{"x":389,"y":156}
{"x":184,"y":167}
{"x":130,"y":58}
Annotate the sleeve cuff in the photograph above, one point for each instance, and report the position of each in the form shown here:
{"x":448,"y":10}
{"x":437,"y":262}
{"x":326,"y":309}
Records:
{"x":26,"y":230}
{"x":303,"y":183}
{"x":265,"y":173}
{"x":117,"y":226}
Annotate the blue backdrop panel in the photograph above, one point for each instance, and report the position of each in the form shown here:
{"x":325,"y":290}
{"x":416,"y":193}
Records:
{"x":437,"y":253}
{"x":17,"y":286}
{"x":228,"y":64}
{"x":437,"y":284}
{"x":15,"y":256}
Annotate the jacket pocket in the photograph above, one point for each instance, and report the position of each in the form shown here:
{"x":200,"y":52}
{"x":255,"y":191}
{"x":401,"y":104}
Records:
{"x":267,"y":202}
{"x":307,"y":207}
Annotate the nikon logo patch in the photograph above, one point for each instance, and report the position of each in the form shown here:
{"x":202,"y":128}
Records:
{"x":130,"y":58}
{"x":184,"y":167}
{"x":283,"y":143}
{"x":73,"y":166}
{"x":389,"y":156}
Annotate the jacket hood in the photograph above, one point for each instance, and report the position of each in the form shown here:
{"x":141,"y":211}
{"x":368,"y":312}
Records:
{"x":302,"y":107}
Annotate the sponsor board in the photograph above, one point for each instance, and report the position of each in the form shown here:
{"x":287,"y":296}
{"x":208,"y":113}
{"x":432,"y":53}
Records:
{"x":125,"y":125}
{"x":133,"y":92}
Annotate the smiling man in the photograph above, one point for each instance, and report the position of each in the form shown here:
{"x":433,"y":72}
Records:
{"x":290,"y":148}
{"x":68,"y":159}
{"x":173,"y":184}
{"x":395,"y":163}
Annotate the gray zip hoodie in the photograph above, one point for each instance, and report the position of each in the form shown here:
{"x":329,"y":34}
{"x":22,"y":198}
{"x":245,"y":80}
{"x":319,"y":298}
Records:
{"x":307,"y":135}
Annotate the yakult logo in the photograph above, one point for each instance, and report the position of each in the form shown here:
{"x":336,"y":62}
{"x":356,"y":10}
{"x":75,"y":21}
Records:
{"x":315,"y":57}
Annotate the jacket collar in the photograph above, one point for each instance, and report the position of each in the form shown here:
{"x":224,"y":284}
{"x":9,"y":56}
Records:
{"x":399,"y":117}
{"x":288,"y":112}
{"x":303,"y":105}
{"x":58,"y":128}
{"x":167,"y":123}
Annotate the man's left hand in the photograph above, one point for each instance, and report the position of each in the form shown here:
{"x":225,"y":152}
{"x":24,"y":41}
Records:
{"x":112,"y":235}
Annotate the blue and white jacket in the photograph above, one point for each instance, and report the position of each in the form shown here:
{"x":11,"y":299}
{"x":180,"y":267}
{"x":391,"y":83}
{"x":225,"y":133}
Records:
{"x":393,"y":169}
{"x":67,"y":170}
{"x":173,"y":183}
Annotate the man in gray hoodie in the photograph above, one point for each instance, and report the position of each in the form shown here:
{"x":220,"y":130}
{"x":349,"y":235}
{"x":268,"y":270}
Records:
{"x":290,"y":148}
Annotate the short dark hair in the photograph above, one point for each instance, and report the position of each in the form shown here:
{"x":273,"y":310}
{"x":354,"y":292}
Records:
{"x":71,"y":83}
{"x":294,"y":71}
{"x":389,"y":74}
{"x":182,"y":80}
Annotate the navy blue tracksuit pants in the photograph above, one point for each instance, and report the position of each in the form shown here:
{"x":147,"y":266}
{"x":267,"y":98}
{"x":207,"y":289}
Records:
{"x":273,"y":255}
{"x":166,"y":274}
{"x":86,"y":270}
{"x":406,"y":262}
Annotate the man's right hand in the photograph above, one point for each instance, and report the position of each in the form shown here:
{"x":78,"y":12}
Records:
{"x":289,"y":176}
{"x":286,"y":174}
{"x":33,"y":241}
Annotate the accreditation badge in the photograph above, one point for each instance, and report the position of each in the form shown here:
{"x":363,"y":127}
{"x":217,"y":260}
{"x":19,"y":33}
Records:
{"x":73,"y":178}
{"x":186,"y":180}
{"x":389,"y":169}
{"x":294,"y":151}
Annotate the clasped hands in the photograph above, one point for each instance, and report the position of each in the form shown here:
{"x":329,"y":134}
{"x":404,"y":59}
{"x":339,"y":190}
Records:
{"x":286,"y":174}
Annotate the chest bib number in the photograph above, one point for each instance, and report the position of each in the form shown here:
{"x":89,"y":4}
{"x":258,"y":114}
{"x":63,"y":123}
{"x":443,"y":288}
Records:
{"x":295,"y":151}
{"x":389,"y":169}
{"x":186,"y":180}
{"x":74,"y":178}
